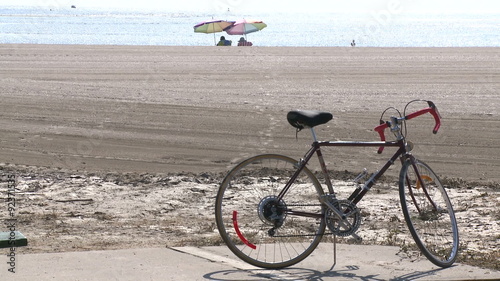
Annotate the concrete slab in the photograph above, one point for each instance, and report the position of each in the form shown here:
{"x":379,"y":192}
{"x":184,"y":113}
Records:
{"x":354,"y":262}
{"x":133,"y":264}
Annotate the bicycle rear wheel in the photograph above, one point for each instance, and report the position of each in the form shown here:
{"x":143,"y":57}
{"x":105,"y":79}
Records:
{"x":259,"y":228}
{"x":428,"y":213}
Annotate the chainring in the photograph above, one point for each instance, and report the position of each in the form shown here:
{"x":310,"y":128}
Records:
{"x":352,"y":222}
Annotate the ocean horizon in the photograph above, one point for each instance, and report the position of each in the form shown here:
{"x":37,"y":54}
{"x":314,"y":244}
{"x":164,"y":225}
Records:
{"x":36,"y":25}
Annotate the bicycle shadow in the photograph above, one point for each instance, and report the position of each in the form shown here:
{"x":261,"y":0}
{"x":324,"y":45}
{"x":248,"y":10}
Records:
{"x":349,"y":273}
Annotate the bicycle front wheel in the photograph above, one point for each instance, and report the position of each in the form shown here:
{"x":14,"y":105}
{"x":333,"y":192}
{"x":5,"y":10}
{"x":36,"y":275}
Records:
{"x":262,"y":229}
{"x":428,"y":212}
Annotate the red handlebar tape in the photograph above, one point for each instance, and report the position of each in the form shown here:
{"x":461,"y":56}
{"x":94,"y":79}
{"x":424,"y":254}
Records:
{"x":381,"y":128}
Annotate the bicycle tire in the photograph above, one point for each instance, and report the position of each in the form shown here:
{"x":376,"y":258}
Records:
{"x":428,"y":213}
{"x":246,"y":222}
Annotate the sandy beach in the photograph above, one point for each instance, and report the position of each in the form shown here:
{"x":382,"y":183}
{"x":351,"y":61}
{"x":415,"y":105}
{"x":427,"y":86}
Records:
{"x":170,"y":109}
{"x":136,"y":137}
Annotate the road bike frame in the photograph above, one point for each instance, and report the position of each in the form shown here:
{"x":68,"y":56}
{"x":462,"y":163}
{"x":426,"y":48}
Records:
{"x":358,"y":194}
{"x":360,"y":191}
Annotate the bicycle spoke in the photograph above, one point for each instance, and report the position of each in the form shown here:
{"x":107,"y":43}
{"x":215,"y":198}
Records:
{"x":262,"y":229}
{"x":428,"y":213}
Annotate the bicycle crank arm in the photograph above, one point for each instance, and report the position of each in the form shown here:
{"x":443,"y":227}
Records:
{"x":343,"y":218}
{"x":356,"y":237}
{"x":339,"y":214}
{"x":345,"y":227}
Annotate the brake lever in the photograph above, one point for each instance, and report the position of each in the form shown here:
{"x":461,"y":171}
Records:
{"x":437,"y":116}
{"x":381,"y":132}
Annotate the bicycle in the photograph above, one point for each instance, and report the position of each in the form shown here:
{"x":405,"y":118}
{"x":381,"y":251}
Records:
{"x":272,"y":211}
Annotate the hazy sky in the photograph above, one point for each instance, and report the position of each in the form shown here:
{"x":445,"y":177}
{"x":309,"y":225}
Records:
{"x":243,"y":6}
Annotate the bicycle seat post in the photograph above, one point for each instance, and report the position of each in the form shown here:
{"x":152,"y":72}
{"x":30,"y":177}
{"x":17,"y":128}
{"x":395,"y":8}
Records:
{"x":314,"y":135}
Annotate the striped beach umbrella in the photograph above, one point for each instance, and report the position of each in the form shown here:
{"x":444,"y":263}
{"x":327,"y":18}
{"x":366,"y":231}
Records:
{"x":243,"y":27}
{"x":212,"y":26}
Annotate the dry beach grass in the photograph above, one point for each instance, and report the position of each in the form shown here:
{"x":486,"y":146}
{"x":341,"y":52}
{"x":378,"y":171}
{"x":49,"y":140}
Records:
{"x":124,"y":146}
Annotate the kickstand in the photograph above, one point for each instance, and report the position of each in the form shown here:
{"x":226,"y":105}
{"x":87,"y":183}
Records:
{"x":334,"y":252}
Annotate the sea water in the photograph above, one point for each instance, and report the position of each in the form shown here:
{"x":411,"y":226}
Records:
{"x":38,"y":25}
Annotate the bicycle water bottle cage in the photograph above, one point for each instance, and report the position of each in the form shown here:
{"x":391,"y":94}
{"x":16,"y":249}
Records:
{"x":301,"y":119}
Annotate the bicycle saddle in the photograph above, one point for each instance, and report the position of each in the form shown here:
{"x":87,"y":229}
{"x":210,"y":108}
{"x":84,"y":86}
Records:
{"x":301,"y":119}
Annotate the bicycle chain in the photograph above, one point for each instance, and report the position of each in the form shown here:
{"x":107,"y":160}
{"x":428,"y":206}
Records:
{"x":305,"y":205}
{"x":331,"y":224}
{"x":303,"y":235}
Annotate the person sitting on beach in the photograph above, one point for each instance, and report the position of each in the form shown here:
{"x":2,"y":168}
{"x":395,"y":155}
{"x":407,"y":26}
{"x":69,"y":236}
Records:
{"x":244,"y":42}
{"x":224,"y":42}
{"x":353,"y":44}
